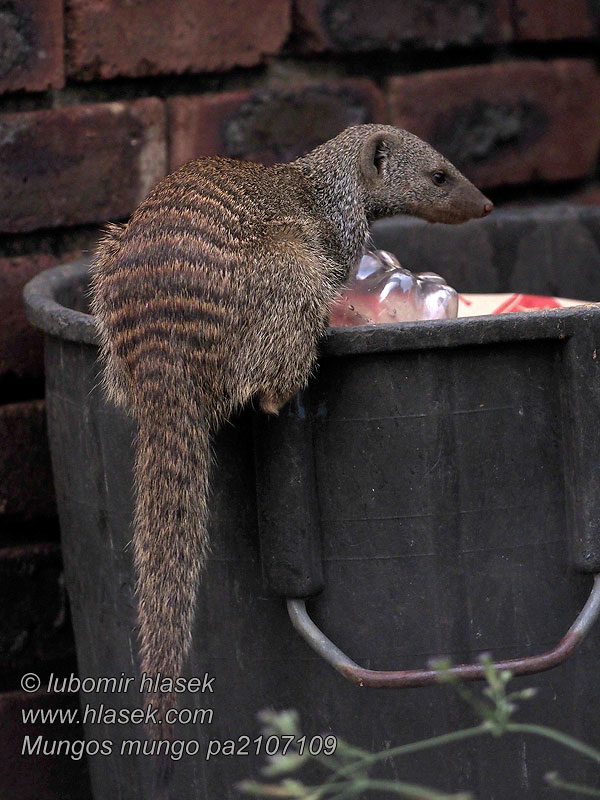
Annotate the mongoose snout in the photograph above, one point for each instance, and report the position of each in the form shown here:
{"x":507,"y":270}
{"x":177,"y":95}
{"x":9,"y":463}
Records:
{"x":216,"y":292}
{"x":467,"y":202}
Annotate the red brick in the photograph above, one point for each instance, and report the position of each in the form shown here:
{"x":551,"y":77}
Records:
{"x":149,"y":37}
{"x":364,"y":25}
{"x":31,"y":45}
{"x":506,"y":123}
{"x":568,"y":19}
{"x":35,"y":627}
{"x":79,"y":164}
{"x":21,"y":345}
{"x":24,"y":777}
{"x":269,"y":125}
{"x":26,"y":490}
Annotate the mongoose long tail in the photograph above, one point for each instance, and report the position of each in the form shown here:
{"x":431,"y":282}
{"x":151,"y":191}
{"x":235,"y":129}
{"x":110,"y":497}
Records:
{"x":172,"y":463}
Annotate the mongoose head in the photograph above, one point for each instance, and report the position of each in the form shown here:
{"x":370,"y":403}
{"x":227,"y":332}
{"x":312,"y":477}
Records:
{"x":402,"y":174}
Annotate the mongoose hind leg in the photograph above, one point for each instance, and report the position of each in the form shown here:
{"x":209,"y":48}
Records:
{"x":271,"y":402}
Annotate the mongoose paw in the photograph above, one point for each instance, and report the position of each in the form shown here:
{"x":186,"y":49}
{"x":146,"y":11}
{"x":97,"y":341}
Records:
{"x":270,"y":404}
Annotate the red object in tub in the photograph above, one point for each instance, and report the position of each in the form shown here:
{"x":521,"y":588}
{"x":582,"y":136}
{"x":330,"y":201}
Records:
{"x":475,"y":305}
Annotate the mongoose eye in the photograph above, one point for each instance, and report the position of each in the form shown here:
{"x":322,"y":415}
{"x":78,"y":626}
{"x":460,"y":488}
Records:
{"x":439,"y":177}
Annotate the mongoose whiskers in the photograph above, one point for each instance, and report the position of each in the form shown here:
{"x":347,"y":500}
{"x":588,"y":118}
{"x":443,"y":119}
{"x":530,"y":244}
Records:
{"x":216,"y":292}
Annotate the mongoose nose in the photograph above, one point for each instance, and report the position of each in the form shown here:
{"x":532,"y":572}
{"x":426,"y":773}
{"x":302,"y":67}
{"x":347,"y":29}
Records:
{"x":487,"y":208}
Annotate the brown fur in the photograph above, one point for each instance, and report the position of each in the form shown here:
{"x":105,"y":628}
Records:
{"x":216,"y":292}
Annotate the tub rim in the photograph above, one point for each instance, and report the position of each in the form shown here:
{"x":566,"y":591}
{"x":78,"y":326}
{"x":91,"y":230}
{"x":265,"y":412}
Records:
{"x":44,"y":311}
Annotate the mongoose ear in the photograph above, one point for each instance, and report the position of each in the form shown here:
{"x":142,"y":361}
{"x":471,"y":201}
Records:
{"x":374,"y":156}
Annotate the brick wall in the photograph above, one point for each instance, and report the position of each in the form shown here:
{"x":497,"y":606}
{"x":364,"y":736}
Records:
{"x":98,"y":100}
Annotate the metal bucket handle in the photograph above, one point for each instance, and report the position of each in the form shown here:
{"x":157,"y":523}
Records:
{"x":397,"y":679}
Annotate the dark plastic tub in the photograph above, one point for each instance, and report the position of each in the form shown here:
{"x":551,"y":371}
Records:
{"x":450,"y":472}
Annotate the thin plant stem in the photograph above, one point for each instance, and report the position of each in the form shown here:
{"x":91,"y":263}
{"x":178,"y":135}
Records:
{"x":558,"y":783}
{"x":557,"y":736}
{"x":413,"y":747}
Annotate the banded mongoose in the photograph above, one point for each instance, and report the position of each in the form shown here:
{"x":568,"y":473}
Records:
{"x":217,"y":292}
